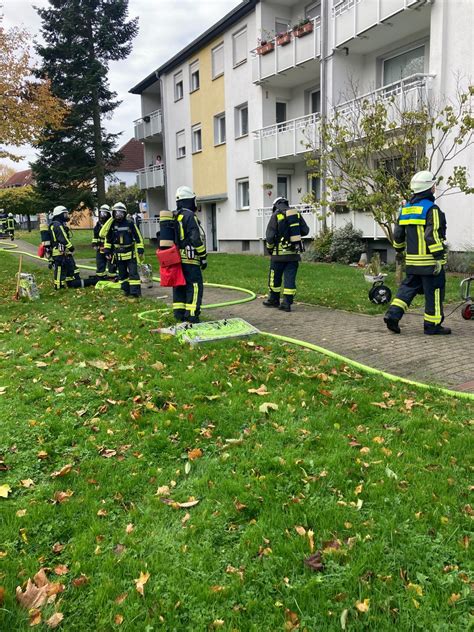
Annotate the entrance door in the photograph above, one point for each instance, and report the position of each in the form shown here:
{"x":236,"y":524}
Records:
{"x":211,"y":227}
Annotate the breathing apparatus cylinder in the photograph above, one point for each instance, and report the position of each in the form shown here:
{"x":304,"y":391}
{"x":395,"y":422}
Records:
{"x":294,"y":227}
{"x":167,"y":229}
{"x":45,"y":234}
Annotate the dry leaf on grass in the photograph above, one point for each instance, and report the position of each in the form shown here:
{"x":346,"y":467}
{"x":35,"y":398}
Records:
{"x":38,"y":592}
{"x":61,"y":569}
{"x":121,"y":598}
{"x":20,"y":513}
{"x":2,"y":595}
{"x":266,"y":407}
{"x":141,"y":581}
{"x":118,"y":619}
{"x":5,"y":490}
{"x":176,"y":505}
{"x":63,"y":471}
{"x":80,"y":581}
{"x":62,"y":497}
{"x":261,"y":390}
{"x":363,"y":606}
{"x":55,"y":620}
{"x":315,"y":562}
{"x":194,"y":454}
{"x":238,"y":505}
{"x":27,"y":482}
{"x":35,"y":617}
{"x":129,"y":528}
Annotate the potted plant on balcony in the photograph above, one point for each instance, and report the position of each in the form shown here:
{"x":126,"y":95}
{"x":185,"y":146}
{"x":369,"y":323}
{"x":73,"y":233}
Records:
{"x":303,"y":27}
{"x":283,"y":38}
{"x":265,"y":44}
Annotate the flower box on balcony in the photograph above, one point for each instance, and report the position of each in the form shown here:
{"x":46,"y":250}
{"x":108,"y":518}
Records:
{"x":283,"y":39}
{"x":265,"y":48}
{"x":303,"y":29}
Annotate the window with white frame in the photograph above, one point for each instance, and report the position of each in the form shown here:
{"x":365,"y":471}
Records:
{"x":314,"y":187}
{"x":241,"y":120}
{"x":313,"y":10}
{"x":239,"y":47}
{"x":243,"y":196}
{"x":218,"y":61}
{"x":281,"y":25}
{"x":411,"y":62}
{"x":219,"y":129}
{"x":196,"y":138}
{"x":178,"y":86}
{"x":194,"y":82}
{"x":180,"y":144}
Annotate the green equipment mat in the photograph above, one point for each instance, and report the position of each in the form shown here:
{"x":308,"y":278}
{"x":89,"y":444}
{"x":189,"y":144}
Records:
{"x":212,"y":331}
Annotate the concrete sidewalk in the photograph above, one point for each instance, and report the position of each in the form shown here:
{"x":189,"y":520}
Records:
{"x":442,"y":360}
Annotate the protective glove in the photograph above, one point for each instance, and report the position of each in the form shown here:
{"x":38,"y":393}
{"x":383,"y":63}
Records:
{"x":438,"y":266}
{"x":140,"y":255}
{"x":203,"y":264}
{"x":72,"y":249}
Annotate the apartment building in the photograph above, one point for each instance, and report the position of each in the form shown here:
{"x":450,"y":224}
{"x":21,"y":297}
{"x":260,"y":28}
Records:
{"x":232,"y":113}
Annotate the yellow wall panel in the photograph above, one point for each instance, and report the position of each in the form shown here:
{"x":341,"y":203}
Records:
{"x":210,"y":165}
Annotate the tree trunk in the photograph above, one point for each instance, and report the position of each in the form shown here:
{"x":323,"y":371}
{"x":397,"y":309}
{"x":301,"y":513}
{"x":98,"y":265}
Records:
{"x":98,"y":151}
{"x":28,"y":223}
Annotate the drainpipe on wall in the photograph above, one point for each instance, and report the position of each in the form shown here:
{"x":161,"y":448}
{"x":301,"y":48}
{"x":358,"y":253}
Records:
{"x":324,"y":103}
{"x":163,"y":135}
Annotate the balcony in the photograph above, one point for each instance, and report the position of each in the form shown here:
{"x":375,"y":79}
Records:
{"x":282,"y":57}
{"x":308,"y":212}
{"x":290,"y":138}
{"x":351,"y":18}
{"x":150,"y":125}
{"x":151,"y":177}
{"x":409,"y":94}
{"x":360,"y":221}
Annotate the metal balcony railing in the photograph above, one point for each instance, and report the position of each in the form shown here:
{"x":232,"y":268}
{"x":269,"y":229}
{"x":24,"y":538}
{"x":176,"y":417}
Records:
{"x":151,"y":177}
{"x":353,"y":17}
{"x":408,"y":94}
{"x":309,"y":213}
{"x":149,"y":125}
{"x":281,"y":58}
{"x":289,"y":138}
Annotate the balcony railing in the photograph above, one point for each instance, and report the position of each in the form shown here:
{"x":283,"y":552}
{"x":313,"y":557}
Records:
{"x":150,"y":125}
{"x":151,"y":177}
{"x":281,"y":58}
{"x":353,"y":17}
{"x":149,"y":227}
{"x":309,"y":213}
{"x":289,"y":138}
{"x":408,"y":94}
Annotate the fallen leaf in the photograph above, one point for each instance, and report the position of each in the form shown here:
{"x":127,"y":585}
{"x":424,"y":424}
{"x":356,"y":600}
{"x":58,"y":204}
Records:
{"x":119,"y":549}
{"x":378,"y":440}
{"x":102,"y":512}
{"x":162,"y":491}
{"x":63,"y":471}
{"x":363,"y":606}
{"x":121,"y":598}
{"x":27,"y":482}
{"x":310,"y":535}
{"x":98,"y":364}
{"x":5,"y":490}
{"x":118,"y":619}
{"x":184,"y":520}
{"x":238,"y":505}
{"x":315,"y":562}
{"x":358,"y":490}
{"x":61,"y":569}
{"x":62,"y":497}
{"x":454,"y":597}
{"x":2,"y":595}
{"x":129,"y":528}
{"x":80,"y":581}
{"x":343,"y":619}
{"x":158,"y":366}
{"x":218,"y":623}
{"x":35,"y":617}
{"x":300,"y":531}
{"x":194,"y":454}
{"x":20,"y":513}
{"x":292,"y":622}
{"x":216,"y":589}
{"x":176,"y":505}
{"x":42,"y":455}
{"x":141,"y":581}
{"x":390,"y":473}
{"x":266,"y":407}
{"x":57,"y":547}
{"x":261,"y":390}
{"x":55,"y":620}
{"x":38,"y":591}
{"x":107,"y":454}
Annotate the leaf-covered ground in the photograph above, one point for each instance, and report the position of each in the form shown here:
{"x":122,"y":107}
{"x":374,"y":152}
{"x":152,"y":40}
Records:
{"x":164,"y":487}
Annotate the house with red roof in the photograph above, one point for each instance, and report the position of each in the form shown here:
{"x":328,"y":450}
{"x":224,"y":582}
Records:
{"x":130,"y":162}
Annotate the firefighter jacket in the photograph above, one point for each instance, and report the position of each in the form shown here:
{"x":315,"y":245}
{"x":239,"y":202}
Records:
{"x":10,"y":223}
{"x":190,"y":237}
{"x":97,"y":240}
{"x":61,"y":243}
{"x":421,"y":231}
{"x":284,"y":232}
{"x":123,"y":237}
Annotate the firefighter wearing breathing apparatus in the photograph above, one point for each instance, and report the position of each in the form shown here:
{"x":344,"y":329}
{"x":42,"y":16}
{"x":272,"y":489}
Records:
{"x":284,"y":243}
{"x":66,"y":272}
{"x":11,"y":226}
{"x":104,"y":267}
{"x":187,"y":299}
{"x":421,"y":231}
{"x":123,"y":238}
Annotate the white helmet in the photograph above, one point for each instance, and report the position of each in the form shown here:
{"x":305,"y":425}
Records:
{"x":281,"y":202}
{"x":184,"y":193}
{"x":422,"y":181}
{"x":119,"y":206}
{"x":58,"y":210}
{"x":105,"y":207}
{"x":10,"y":214}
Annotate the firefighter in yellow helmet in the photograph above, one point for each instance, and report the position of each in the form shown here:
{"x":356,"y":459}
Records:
{"x":421,"y":232}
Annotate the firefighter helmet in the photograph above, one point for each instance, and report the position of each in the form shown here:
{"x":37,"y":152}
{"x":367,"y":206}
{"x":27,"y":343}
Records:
{"x":380,"y":294}
{"x":104,"y":212}
{"x":10,"y":214}
{"x":184,"y":193}
{"x":422,"y":181}
{"x":105,"y":207}
{"x":57,"y":211}
{"x":119,"y":211}
{"x":281,"y":204}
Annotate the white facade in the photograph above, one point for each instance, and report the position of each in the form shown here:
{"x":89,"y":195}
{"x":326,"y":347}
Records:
{"x":372,"y":44}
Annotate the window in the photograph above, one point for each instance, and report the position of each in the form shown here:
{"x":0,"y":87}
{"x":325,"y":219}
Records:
{"x":314,"y":187}
{"x":280,"y":114}
{"x":239,"y":47}
{"x":281,"y":25}
{"x":219,"y":129}
{"x":218,"y":61}
{"x":313,"y":10}
{"x":243,"y":199}
{"x":241,"y":120}
{"x":180,"y":144}
{"x":178,"y":86}
{"x":410,"y":63}
{"x":196,"y":136}
{"x":283,"y":186}
{"x":194,"y":83}
{"x":315,"y":102}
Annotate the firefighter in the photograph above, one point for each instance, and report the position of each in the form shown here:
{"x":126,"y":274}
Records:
{"x":187,"y":299}
{"x":421,"y":231}
{"x":66,"y":272}
{"x":3,"y":222}
{"x":122,"y":237}
{"x":11,"y":226}
{"x":283,"y":242}
{"x":104,"y":267}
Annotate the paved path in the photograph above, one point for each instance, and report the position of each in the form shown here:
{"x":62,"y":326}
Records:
{"x":443,"y":360}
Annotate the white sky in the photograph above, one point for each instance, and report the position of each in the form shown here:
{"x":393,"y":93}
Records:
{"x":166,"y":26}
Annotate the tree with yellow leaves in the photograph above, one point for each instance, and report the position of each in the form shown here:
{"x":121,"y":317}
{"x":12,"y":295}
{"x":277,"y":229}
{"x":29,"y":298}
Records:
{"x":27,"y":105}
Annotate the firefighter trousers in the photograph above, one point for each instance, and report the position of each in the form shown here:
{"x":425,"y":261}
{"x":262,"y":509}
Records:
{"x":187,"y":299}
{"x":432,"y":286}
{"x":66,"y":272}
{"x":103,"y":267}
{"x":128,"y":276}
{"x":282,"y":271}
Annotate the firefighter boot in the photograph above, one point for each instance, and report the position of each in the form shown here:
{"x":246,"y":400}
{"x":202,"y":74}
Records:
{"x":273,"y":300}
{"x":392,"y":324}
{"x":437,"y":330}
{"x":285,"y":306}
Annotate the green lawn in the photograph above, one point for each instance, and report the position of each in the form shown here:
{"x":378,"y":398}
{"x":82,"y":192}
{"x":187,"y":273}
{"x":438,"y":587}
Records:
{"x":330,"y":285}
{"x":371,"y":476}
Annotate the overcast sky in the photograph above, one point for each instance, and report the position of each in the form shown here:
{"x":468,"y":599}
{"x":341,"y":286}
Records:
{"x":165,"y":26}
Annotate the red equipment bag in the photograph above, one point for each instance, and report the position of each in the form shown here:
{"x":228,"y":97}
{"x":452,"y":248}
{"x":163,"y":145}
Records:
{"x":41,"y":251}
{"x":171,"y":270}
